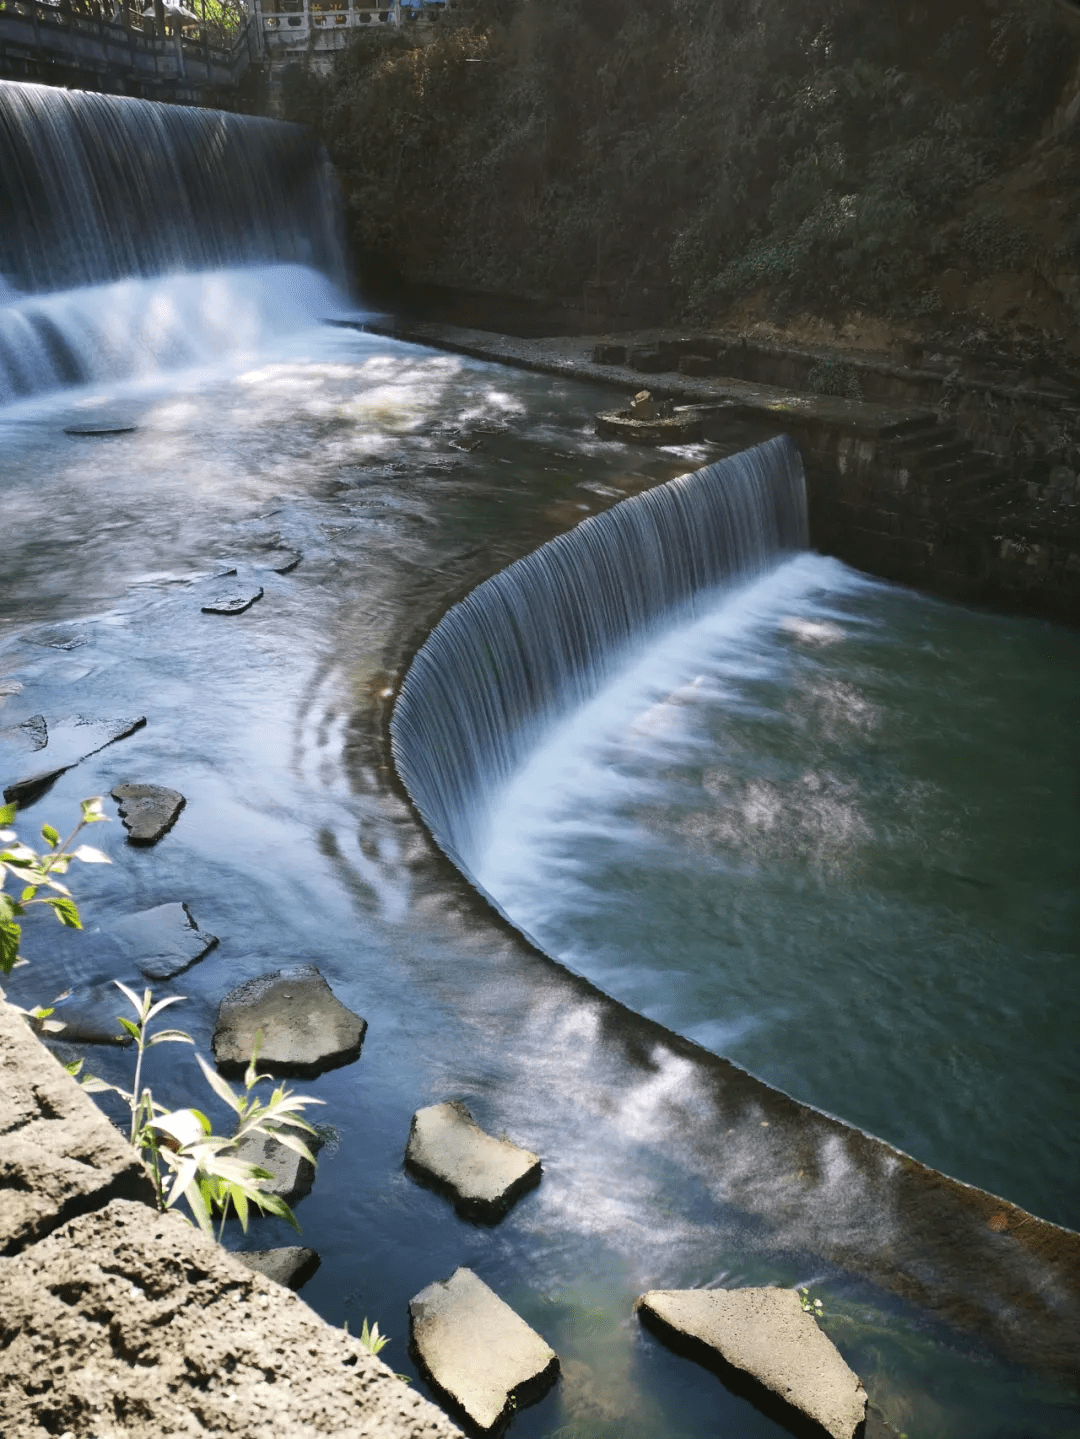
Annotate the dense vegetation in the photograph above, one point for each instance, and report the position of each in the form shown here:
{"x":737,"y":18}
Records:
{"x":722,"y":155}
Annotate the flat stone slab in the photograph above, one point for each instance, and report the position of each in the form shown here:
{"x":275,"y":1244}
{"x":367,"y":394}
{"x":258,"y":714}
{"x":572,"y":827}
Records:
{"x":147,"y":811}
{"x":163,"y":941}
{"x":67,"y":742}
{"x":766,"y":1334}
{"x":291,"y":1174}
{"x":305,"y":1029}
{"x":59,"y":1155}
{"x":483,"y":1175}
{"x":291,"y":1267}
{"x":234,"y":600}
{"x":481,"y":1355}
{"x":283,"y":561}
{"x":144,"y":1327}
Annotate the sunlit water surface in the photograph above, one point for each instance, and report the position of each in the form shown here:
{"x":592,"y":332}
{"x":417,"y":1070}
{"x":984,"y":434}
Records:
{"x":403,"y":477}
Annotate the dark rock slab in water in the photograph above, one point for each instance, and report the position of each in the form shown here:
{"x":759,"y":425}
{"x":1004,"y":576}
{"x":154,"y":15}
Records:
{"x":484,"y":1175}
{"x":69,"y":741}
{"x":305,"y":1029}
{"x":163,"y":941}
{"x":291,"y":1266}
{"x":147,"y":811}
{"x":291,"y":1174}
{"x":233,"y":601}
{"x":55,"y":637}
{"x":477,"y":1351}
{"x":764,"y":1335}
{"x":91,"y":1016}
{"x":284,"y":561}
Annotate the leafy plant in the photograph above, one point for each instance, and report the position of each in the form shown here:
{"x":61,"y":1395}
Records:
{"x":811,"y":1306}
{"x":371,"y":1339}
{"x":186,"y":1158}
{"x":34,"y":871}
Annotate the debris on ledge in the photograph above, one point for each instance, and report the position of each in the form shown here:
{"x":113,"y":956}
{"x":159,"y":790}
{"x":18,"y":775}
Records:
{"x":483,"y":1175}
{"x":305,"y":1028}
{"x":763,"y":1333}
{"x":147,"y":811}
{"x":477,"y":1351}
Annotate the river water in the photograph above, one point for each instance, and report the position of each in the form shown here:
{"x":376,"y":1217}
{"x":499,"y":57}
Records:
{"x":404,"y":477}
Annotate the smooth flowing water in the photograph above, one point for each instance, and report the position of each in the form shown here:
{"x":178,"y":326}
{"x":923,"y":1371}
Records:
{"x":830,"y":831}
{"x":403,"y":479}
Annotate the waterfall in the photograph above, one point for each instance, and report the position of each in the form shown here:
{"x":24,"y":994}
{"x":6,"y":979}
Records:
{"x":542,"y":636}
{"x":102,"y":190}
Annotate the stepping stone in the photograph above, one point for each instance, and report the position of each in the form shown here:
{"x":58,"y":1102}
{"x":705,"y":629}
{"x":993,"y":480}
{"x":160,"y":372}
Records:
{"x":484,"y":1175}
{"x":233,"y":601}
{"x":106,"y":427}
{"x":292,"y":1175}
{"x":305,"y":1029}
{"x":283,"y":561}
{"x":147,"y":810}
{"x":481,"y":1355}
{"x":764,"y":1334}
{"x":163,"y":941}
{"x":291,"y":1267}
{"x":69,"y":741}
{"x":55,"y":637}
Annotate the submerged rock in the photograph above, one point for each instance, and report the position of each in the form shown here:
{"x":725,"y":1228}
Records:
{"x":291,"y":1267}
{"x":90,"y":1016}
{"x":283,"y":561}
{"x":67,"y":742}
{"x":163,"y":941}
{"x":291,"y":1174}
{"x":233,"y":601}
{"x":477,"y":1351}
{"x":765,"y":1334}
{"x":483,"y":1175}
{"x":305,"y":1028}
{"x":147,"y":811}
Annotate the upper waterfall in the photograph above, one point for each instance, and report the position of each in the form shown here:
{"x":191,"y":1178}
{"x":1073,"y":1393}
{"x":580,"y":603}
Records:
{"x":95,"y":188}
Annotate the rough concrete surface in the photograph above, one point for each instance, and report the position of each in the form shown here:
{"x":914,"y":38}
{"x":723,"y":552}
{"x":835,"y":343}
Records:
{"x":305,"y":1029}
{"x":163,"y":941}
{"x":766,"y":1334}
{"x":127,"y":1324}
{"x":147,"y":811}
{"x":484,"y":1175}
{"x":477,"y":1351}
{"x":291,"y":1266}
{"x":59,"y":1155}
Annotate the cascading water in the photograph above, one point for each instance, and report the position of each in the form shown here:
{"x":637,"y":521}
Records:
{"x":109,"y":209}
{"x":543,"y":635}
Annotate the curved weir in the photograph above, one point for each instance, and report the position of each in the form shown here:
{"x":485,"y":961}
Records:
{"x":544,"y":634}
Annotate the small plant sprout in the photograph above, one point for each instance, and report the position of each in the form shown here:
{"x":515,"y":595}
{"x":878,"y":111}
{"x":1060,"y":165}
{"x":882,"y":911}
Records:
{"x":35,"y":870}
{"x":811,"y":1306}
{"x":371,"y":1339}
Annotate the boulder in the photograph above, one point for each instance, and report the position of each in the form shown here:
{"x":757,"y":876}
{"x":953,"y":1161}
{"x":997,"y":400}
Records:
{"x":139,"y":1325}
{"x":233,"y":601}
{"x":482,"y":1174}
{"x":59,"y":1155}
{"x":163,"y":941}
{"x":291,"y":1174}
{"x":147,"y":810}
{"x":305,"y":1029}
{"x":766,"y":1335}
{"x":68,"y":741}
{"x":290,"y":1267}
{"x":477,"y":1352}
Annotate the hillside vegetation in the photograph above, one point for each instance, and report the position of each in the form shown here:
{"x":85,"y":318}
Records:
{"x":914,"y":164}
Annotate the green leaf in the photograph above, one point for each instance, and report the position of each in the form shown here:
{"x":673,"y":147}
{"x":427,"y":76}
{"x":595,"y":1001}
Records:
{"x":130,"y":996}
{"x":10,"y":933}
{"x":169,"y":1036}
{"x":7,"y":813}
{"x":132,"y":1029}
{"x":50,"y":835}
{"x":67,"y":912}
{"x":93,"y":810}
{"x":163,"y":1004}
{"x":89,"y":855}
{"x":28,"y":894}
{"x":218,"y":1085}
{"x":74,"y":1067}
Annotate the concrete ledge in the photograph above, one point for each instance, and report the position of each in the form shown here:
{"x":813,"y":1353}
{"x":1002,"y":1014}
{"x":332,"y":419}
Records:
{"x":59,"y":1155}
{"x":130,"y":1323}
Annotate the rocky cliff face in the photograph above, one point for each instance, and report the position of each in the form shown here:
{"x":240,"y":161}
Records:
{"x":725,"y":159}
